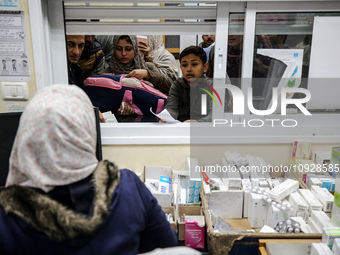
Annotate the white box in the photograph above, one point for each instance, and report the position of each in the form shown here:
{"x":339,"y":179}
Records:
{"x":232,"y":175}
{"x":312,"y":201}
{"x":329,"y":234}
{"x":335,"y":215}
{"x":246,"y":186}
{"x":303,"y":224}
{"x":320,"y":249}
{"x":298,"y":201}
{"x":274,"y":215}
{"x":314,"y":181}
{"x":299,"y":204}
{"x":336,"y":246}
{"x":257,"y":215}
{"x":226,"y":204}
{"x":322,"y":157}
{"x":324,"y":196}
{"x":284,"y":189}
{"x":313,"y":226}
{"x":321,"y":219}
{"x":154,"y":173}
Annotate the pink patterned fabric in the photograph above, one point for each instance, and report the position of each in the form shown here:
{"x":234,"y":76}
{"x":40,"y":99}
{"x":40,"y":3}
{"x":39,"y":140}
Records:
{"x":56,"y":140}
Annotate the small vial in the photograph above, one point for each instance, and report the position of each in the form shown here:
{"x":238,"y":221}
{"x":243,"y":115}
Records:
{"x":290,"y":229}
{"x":283,"y":208}
{"x":289,"y":207}
{"x":296,"y":225}
{"x":269,"y":200}
{"x":274,"y":203}
{"x":278,"y":206}
{"x":297,"y":230}
{"x":289,"y":222}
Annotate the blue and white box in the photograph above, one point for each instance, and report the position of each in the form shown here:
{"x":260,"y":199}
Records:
{"x":164,"y":185}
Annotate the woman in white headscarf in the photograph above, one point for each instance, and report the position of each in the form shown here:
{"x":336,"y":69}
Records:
{"x":59,"y":200}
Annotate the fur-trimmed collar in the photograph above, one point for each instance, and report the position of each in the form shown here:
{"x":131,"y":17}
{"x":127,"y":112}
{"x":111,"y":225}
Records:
{"x":56,"y":220}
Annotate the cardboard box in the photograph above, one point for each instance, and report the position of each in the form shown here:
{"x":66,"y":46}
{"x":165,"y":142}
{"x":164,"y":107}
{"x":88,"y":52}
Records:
{"x":186,"y":210}
{"x":222,"y":243}
{"x":171,"y":209}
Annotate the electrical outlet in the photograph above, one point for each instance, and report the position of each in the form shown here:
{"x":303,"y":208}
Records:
{"x":14,"y":91}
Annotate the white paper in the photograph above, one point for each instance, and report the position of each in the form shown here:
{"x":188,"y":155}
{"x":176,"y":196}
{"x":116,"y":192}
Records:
{"x":14,"y":65}
{"x":165,"y":115}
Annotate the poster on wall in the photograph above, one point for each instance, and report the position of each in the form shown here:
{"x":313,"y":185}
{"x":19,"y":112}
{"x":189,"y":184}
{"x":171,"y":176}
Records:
{"x":13,"y":47}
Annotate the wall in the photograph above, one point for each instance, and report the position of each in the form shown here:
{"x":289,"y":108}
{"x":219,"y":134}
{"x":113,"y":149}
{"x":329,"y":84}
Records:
{"x":136,"y":157}
{"x":31,"y":84}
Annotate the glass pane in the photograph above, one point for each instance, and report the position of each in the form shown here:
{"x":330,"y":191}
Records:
{"x":282,"y":53}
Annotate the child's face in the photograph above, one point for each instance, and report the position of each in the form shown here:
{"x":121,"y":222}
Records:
{"x":192,"y":67}
{"x":124,"y":51}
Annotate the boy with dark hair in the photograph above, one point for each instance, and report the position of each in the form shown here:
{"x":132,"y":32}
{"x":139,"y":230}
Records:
{"x":184,"y":101}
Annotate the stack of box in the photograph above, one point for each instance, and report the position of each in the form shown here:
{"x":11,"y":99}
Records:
{"x":301,"y":150}
{"x":303,"y":167}
{"x":329,"y":234}
{"x":159,"y":179}
{"x":320,"y":249}
{"x":336,"y":246}
{"x":194,"y":191}
{"x":232,"y":177}
{"x":321,"y":219}
{"x":312,"y":201}
{"x":324,"y":196}
{"x":195,"y":178}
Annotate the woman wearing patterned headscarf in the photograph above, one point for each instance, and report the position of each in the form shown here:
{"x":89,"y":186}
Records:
{"x":59,"y":199}
{"x":126,"y":59}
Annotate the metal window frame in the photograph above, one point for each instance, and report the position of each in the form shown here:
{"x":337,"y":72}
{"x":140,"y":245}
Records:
{"x":48,"y":36}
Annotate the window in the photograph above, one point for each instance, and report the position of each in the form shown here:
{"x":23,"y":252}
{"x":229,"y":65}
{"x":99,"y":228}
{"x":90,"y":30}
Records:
{"x":79,"y":19}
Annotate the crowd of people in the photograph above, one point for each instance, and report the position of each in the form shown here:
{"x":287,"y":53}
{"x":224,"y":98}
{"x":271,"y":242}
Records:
{"x":149,"y":60}
{"x":58,"y":198}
